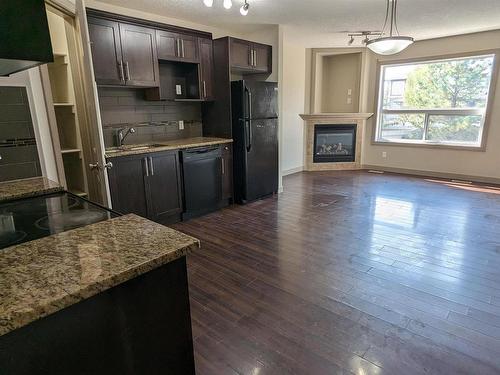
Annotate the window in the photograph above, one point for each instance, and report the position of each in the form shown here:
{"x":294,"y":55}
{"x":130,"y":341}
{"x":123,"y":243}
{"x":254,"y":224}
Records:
{"x":438,"y":102}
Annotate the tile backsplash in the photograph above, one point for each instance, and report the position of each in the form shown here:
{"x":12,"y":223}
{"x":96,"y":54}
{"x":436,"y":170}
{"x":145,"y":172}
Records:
{"x":18,"y":150}
{"x":153,"y":121}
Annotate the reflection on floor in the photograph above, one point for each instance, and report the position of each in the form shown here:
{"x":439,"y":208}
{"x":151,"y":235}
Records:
{"x":350,"y":272}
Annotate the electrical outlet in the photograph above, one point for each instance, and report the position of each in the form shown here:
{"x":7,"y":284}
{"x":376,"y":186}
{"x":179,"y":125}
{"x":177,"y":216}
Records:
{"x":178,"y":89}
{"x":349,"y":100}
{"x":384,"y":154}
{"x":181,"y":125}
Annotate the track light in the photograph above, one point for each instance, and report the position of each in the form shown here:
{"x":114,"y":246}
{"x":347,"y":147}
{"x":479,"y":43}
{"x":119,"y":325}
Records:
{"x":228,"y":4}
{"x":244,"y":8}
{"x":208,"y":3}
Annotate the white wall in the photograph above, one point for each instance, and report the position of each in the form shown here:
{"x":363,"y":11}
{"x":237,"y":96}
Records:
{"x":293,"y":90}
{"x":484,"y":165}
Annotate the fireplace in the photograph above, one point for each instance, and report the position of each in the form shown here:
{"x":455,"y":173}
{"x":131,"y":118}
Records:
{"x":334,"y":143}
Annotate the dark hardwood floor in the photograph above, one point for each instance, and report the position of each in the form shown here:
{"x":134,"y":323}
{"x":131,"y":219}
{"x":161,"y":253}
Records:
{"x":350,"y":272}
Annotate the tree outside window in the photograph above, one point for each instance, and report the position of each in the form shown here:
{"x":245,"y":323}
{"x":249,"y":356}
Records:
{"x":438,"y":102}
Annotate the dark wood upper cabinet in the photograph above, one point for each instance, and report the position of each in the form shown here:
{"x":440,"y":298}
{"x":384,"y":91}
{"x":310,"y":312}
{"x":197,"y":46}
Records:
{"x":240,"y":54}
{"x":164,"y":187}
{"x":249,"y":57}
{"x":106,"y":51}
{"x":177,"y":47}
{"x":127,"y":185}
{"x":123,"y":54}
{"x":206,"y":69}
{"x":140,"y":59}
{"x":262,"y":57}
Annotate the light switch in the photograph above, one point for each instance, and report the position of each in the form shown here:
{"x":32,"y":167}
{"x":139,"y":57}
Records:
{"x":349,"y":92}
{"x":178,"y":89}
{"x":181,"y":125}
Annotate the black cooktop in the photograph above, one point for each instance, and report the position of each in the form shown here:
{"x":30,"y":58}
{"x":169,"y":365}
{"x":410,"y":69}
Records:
{"x":27,"y":219}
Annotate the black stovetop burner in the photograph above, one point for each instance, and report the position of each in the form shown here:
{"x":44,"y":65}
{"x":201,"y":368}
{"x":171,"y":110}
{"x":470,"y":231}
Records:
{"x":27,"y":219}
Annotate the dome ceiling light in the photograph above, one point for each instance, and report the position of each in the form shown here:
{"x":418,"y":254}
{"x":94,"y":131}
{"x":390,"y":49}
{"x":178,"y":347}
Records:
{"x":392,"y":43}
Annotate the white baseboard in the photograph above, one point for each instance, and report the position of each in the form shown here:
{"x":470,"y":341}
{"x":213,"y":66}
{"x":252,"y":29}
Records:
{"x":452,"y":176}
{"x":292,"y":171}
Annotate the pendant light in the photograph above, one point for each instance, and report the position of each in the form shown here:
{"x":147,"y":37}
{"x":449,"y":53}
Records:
{"x":208,"y":3}
{"x":227,"y":4}
{"x":394,"y":43}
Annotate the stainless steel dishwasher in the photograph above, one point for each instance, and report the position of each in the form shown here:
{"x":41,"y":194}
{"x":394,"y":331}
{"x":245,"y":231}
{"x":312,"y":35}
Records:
{"x":202,"y":171}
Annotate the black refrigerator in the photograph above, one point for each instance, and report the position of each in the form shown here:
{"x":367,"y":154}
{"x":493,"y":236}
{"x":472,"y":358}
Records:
{"x":255,"y":136}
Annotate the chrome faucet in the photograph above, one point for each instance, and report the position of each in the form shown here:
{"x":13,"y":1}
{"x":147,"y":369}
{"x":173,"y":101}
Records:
{"x":121,"y":137}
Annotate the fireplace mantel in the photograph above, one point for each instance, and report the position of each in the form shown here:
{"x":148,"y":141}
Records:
{"x":340,"y":119}
{"x":343,"y":116}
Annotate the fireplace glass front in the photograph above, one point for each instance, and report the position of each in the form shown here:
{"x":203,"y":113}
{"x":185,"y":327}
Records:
{"x":334,"y":143}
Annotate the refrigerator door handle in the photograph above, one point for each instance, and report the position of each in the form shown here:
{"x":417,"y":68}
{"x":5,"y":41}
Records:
{"x":250,"y":135}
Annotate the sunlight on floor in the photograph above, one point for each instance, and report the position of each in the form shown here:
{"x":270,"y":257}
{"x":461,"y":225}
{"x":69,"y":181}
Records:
{"x":468,"y":186}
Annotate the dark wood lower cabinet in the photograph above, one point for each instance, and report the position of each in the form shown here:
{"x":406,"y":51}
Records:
{"x":148,"y":185}
{"x":128,"y":186}
{"x":164,"y":187}
{"x":142,"y":326}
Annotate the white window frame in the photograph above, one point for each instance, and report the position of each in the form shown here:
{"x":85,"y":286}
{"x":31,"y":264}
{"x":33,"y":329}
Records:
{"x":484,"y":112}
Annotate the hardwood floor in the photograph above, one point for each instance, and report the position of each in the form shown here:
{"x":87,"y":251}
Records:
{"x":350,"y":272}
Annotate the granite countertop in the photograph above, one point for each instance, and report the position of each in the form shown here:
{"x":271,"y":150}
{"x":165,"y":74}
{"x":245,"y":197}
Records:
{"x":29,"y":187}
{"x":40,"y":277}
{"x":177,"y":144}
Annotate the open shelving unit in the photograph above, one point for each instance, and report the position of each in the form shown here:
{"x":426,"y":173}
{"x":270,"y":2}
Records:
{"x":66,"y":116}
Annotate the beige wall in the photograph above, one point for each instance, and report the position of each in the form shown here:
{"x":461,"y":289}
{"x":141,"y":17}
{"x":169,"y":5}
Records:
{"x":469,"y":163}
{"x":340,"y":74}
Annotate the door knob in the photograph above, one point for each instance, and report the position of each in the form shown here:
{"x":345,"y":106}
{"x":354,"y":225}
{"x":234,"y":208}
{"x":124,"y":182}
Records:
{"x":95,"y":166}
{"x":108,"y":165}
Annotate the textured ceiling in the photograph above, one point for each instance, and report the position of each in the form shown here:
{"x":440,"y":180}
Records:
{"x":319,"y":21}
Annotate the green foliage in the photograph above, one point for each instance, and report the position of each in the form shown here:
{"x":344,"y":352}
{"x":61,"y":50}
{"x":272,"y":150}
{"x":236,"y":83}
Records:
{"x":449,"y":84}
{"x":445,"y":85}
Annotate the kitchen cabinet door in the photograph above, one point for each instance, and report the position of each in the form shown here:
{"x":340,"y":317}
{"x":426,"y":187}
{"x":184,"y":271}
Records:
{"x":168,"y":47}
{"x":139,"y":53}
{"x":262,"y":58}
{"x":227,"y":172}
{"x":240,"y":55}
{"x":127,"y":185}
{"x":189,"y":48}
{"x":106,"y":51}
{"x":206,"y":69}
{"x":164,"y":187}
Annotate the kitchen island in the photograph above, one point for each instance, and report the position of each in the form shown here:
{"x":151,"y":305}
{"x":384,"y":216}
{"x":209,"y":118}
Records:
{"x":106,"y":298}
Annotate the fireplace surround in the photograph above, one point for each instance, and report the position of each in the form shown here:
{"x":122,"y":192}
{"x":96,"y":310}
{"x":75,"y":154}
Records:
{"x":322,"y":123}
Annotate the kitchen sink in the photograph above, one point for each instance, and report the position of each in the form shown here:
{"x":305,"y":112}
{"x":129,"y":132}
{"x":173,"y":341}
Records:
{"x":112,"y":150}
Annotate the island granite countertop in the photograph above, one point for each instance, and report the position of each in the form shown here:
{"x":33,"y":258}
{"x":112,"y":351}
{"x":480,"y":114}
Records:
{"x":40,"y":277}
{"x":28,"y":187}
{"x":177,"y":144}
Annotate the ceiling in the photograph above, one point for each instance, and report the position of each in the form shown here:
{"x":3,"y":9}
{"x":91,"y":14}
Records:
{"x":318,"y":22}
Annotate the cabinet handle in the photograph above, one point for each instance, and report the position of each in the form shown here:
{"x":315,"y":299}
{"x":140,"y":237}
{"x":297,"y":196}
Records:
{"x":204,"y":89}
{"x":121,"y":74}
{"x":178,"y":47}
{"x":250,"y":57}
{"x":222,"y":165}
{"x":127,"y":71}
{"x":182,"y":46}
{"x":254,"y":58}
{"x":147,"y":166}
{"x":152,"y":169}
